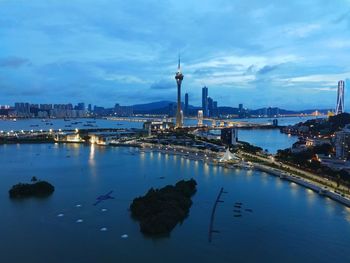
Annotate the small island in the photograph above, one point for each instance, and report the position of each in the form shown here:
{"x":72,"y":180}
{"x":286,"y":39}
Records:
{"x":35,"y":189}
{"x":160,"y":210}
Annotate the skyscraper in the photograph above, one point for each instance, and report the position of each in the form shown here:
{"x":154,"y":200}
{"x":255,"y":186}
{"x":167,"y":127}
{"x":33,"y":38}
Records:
{"x":205,"y":101}
{"x":340,"y":97}
{"x":178,"y":77}
{"x":210,"y":107}
{"x":186,"y":104}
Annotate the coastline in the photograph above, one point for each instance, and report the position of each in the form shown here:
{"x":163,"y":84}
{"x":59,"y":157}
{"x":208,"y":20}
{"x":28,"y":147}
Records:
{"x":207,"y":158}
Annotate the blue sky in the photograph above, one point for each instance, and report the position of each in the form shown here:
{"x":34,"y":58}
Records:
{"x":288,"y":54}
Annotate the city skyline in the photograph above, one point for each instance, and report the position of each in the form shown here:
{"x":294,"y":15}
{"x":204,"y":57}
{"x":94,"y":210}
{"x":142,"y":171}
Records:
{"x":256,"y":53}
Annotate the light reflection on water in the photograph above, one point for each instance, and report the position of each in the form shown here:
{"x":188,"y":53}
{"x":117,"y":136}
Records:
{"x":278,"y":220}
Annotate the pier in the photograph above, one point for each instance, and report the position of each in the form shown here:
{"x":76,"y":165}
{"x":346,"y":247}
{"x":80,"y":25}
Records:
{"x":212,"y":216}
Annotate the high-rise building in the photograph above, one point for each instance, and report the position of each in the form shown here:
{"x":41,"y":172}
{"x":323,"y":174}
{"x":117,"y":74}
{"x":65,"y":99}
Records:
{"x":210,"y":107}
{"x":241,"y":111}
{"x":215,"y":108}
{"x":200,"y":118}
{"x":22,"y":109}
{"x":205,"y":101}
{"x":80,"y":106}
{"x":340,"y":97}
{"x":229,"y":136}
{"x":186,"y":104}
{"x":342,"y":143}
{"x":178,"y":77}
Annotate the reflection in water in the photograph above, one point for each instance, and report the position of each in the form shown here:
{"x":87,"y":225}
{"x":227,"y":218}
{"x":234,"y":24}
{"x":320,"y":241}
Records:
{"x":311,"y":195}
{"x":92,"y":155}
{"x":294,"y":188}
{"x":206,"y":169}
{"x":347,"y":214}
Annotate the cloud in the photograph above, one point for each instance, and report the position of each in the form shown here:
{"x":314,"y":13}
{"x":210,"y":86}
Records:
{"x":163,"y":85}
{"x":13,"y":62}
{"x":254,"y":52}
{"x":267,"y":69}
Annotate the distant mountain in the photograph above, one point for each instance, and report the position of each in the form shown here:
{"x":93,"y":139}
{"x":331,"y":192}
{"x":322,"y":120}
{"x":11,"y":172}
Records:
{"x":162,"y":107}
{"x":151,"y":106}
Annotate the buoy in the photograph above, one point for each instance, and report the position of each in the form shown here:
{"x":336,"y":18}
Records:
{"x":79,"y":221}
{"x":124,"y":236}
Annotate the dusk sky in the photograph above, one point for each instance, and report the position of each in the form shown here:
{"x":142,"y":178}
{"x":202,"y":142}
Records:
{"x":260,"y":53}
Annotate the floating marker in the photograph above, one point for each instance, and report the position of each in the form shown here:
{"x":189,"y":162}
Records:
{"x":79,"y":221}
{"x":60,"y":215}
{"x":124,"y":236}
{"x":103,"y":229}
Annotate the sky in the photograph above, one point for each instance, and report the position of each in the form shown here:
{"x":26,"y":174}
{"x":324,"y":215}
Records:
{"x":288,"y":54}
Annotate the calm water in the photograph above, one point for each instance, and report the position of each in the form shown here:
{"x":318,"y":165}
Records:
{"x":271,"y":140}
{"x":288,"y":222}
{"x":38,"y":124}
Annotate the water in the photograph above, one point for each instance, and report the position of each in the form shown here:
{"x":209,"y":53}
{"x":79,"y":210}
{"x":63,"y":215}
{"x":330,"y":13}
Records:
{"x":288,"y":223}
{"x":38,"y":124}
{"x":269,"y":139}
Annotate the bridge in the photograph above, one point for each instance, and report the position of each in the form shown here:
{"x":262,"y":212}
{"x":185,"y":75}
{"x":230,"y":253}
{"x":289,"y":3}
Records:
{"x":215,"y":123}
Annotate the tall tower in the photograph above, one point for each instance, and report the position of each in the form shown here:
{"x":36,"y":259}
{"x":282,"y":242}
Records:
{"x":340,"y":97}
{"x":178,"y":77}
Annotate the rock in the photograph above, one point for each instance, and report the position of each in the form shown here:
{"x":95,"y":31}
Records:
{"x":37,"y":189}
{"x":160,"y":210}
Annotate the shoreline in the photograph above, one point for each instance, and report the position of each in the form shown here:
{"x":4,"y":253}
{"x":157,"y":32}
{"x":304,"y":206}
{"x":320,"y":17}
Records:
{"x":318,"y":188}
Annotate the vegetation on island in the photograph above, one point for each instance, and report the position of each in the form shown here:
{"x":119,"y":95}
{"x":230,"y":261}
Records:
{"x":34,"y":189}
{"x":160,"y":210}
{"x":317,"y":127}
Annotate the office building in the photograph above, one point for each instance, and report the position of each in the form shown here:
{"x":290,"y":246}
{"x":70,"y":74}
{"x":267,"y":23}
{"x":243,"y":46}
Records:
{"x":205,"y":101}
{"x":186,"y":104}
{"x":229,"y":136}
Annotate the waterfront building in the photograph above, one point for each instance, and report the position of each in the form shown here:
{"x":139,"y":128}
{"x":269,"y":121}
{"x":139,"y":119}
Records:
{"x":340,"y":97}
{"x":229,"y":136}
{"x":80,"y":106}
{"x":205,"y":101}
{"x":178,"y":77}
{"x":200,"y":118}
{"x":186,"y":104}
{"x":157,"y":125}
{"x":22,"y":109}
{"x":342,"y":143}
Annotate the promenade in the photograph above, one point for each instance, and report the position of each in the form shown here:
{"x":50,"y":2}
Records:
{"x":315,"y":183}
